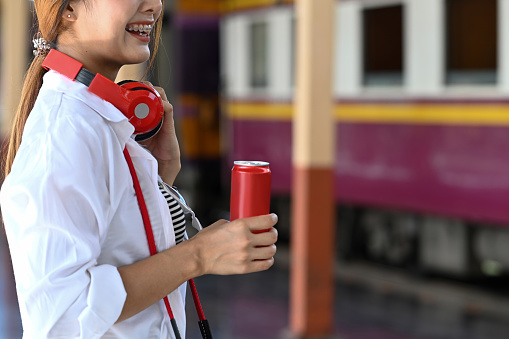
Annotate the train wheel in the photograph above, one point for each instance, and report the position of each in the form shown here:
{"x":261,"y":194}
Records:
{"x":390,"y":237}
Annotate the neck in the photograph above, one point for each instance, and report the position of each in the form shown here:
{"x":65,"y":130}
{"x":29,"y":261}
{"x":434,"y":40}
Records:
{"x":110,"y":71}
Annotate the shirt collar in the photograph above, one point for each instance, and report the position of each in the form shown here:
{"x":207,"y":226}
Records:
{"x":120,"y":124}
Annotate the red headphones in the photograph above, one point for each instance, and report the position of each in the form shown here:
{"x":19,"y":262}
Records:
{"x":140,"y":103}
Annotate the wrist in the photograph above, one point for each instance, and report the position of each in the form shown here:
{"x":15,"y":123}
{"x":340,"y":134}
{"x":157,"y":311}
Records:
{"x":195,"y":256}
{"x":186,"y":249}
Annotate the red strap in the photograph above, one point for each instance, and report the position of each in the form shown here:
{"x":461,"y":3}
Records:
{"x":197,"y":304}
{"x":146,"y":218}
{"x":141,"y":202}
{"x":151,"y":241}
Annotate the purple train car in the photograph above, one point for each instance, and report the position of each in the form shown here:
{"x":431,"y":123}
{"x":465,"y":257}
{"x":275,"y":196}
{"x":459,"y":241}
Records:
{"x":422,"y":123}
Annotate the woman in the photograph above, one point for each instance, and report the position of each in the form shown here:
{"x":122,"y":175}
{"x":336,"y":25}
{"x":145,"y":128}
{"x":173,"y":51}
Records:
{"x":71,"y":215}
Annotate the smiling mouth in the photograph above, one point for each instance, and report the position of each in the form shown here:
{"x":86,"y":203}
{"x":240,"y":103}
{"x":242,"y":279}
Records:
{"x":142,"y":30}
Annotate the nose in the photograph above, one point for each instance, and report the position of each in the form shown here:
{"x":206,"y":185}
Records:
{"x":154,"y":7}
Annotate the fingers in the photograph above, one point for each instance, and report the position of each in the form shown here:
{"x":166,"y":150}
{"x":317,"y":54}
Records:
{"x":168,"y":107}
{"x":232,"y":248}
{"x":263,"y":253}
{"x":260,"y":229}
{"x":259,"y":265}
{"x":265,"y":238}
{"x":261,"y":223}
{"x":159,"y":90}
{"x":261,"y":246}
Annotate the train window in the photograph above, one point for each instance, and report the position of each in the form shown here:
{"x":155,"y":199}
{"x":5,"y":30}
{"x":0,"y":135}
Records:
{"x":259,"y":54}
{"x":471,"y":41}
{"x":383,"y":46}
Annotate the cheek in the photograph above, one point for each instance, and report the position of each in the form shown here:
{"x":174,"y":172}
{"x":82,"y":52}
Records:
{"x":111,"y":36}
{"x":104,"y":29}
{"x":91,"y":32}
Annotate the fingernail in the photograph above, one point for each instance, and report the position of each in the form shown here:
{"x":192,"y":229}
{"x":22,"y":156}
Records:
{"x":274,"y":217}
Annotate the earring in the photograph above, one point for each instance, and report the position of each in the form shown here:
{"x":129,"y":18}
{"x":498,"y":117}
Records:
{"x":69,"y":16}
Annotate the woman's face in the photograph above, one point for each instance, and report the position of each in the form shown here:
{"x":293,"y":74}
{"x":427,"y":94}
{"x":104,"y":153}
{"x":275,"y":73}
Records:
{"x":106,"y":34}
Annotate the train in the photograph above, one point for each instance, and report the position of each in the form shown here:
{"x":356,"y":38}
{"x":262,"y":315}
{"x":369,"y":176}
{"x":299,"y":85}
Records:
{"x":421,"y":92}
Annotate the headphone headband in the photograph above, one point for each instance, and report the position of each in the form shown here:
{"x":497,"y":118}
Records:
{"x":139,"y":102}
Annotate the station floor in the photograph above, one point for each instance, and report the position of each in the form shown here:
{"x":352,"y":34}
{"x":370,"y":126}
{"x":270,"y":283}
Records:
{"x":255,"y":306}
{"x":369,"y":304}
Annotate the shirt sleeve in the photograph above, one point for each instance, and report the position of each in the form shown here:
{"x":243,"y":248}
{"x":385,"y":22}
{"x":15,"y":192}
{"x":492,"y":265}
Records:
{"x":56,"y":205}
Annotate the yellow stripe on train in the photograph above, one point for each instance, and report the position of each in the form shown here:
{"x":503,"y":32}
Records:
{"x":239,"y":5}
{"x":443,"y":114}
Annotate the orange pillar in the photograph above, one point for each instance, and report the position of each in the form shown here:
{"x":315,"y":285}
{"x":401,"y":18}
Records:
{"x":312,"y":244}
{"x":15,"y":17}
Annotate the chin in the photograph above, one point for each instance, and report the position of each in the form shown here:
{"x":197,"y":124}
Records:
{"x":137,"y":61}
{"x":139,"y":57}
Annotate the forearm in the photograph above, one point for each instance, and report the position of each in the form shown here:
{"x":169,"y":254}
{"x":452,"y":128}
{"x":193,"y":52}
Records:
{"x":151,"y":279}
{"x":168,"y":170}
{"x":221,"y":248}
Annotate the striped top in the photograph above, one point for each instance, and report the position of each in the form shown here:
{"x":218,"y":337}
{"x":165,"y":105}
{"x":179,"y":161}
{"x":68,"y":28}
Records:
{"x":177,"y":214}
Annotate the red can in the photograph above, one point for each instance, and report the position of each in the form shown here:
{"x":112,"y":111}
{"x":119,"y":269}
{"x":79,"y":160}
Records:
{"x":250,"y":191}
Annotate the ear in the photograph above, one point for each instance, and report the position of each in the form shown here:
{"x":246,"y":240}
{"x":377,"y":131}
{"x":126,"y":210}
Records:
{"x":70,"y":13}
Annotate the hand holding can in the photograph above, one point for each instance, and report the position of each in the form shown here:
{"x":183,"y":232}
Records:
{"x":250,"y":189}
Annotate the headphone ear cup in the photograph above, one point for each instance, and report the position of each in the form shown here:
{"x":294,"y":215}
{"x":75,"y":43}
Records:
{"x":145,"y":110}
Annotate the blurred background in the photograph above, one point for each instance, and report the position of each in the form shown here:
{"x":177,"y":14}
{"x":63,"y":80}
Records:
{"x":421,"y":171}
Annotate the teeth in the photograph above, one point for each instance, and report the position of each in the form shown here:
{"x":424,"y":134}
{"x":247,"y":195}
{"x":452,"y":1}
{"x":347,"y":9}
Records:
{"x":142,"y":29}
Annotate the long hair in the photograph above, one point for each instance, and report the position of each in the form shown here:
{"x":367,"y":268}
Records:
{"x":49,"y":19}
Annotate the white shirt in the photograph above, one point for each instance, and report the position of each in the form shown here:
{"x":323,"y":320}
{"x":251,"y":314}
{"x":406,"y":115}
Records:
{"x":72,"y":217}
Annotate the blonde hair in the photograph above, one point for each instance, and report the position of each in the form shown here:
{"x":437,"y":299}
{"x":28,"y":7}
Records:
{"x":49,"y":17}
